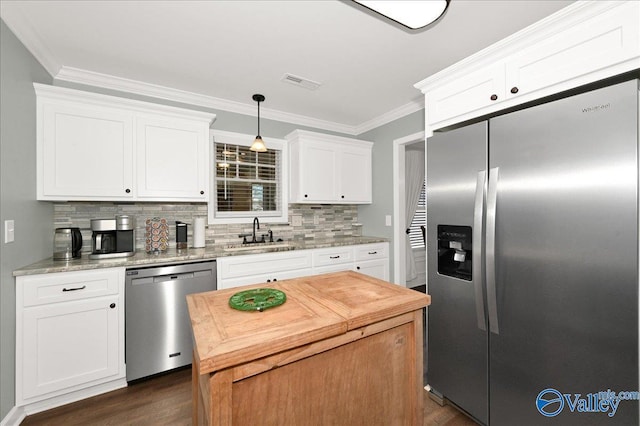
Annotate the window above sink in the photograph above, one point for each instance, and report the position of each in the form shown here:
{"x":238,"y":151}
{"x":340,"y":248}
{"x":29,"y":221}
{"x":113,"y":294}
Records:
{"x":246,"y":184}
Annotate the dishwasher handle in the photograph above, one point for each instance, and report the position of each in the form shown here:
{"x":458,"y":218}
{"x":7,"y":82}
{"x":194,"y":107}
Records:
{"x":173,"y":277}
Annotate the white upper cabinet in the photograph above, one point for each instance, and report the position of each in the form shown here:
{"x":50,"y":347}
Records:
{"x":83,"y":152}
{"x":103,"y":148}
{"x":329,"y":169}
{"x":171,"y":159}
{"x":605,"y":40}
{"x":355,"y":173}
{"x":582,"y":43}
{"x":474,"y":92}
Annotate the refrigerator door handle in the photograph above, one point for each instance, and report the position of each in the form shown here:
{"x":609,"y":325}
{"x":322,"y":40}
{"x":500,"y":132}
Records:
{"x":491,"y":251}
{"x":476,"y":261}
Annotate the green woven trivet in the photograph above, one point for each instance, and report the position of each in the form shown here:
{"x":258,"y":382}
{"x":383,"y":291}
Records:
{"x":257,"y":299}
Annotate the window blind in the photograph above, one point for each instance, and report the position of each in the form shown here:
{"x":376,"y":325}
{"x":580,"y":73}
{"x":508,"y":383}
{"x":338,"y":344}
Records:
{"x":419,"y":219}
{"x":247,"y":183}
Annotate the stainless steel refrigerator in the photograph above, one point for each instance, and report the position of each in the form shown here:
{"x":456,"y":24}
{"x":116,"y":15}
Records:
{"x":532,"y":239}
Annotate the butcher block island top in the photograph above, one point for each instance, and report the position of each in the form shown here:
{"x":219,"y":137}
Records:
{"x":344,"y":348}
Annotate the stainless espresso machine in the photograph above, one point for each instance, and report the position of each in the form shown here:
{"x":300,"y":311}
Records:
{"x":113,"y":237}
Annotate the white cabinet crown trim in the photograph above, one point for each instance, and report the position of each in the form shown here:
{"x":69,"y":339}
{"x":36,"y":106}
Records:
{"x":323,"y":137}
{"x":98,"y":99}
{"x":565,"y":18}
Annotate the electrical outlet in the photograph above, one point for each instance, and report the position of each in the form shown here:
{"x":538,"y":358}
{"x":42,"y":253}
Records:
{"x":387,"y":220}
{"x":9,"y":231}
{"x":296,"y":220}
{"x":316,"y":219}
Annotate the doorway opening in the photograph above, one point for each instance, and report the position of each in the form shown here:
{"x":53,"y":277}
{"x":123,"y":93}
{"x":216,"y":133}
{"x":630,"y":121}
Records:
{"x":413,"y":145}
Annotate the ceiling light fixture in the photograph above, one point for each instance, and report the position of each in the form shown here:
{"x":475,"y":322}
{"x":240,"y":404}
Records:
{"x":413,"y":14}
{"x":258,"y":144}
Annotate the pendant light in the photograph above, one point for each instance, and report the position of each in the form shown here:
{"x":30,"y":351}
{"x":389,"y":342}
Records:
{"x":258,"y":144}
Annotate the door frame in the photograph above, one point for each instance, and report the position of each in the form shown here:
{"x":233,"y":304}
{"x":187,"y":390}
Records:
{"x":399,"y":225}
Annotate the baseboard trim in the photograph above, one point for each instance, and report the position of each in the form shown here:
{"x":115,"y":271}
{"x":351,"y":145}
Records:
{"x":437,"y":399}
{"x":68,"y":398}
{"x":14,"y":417}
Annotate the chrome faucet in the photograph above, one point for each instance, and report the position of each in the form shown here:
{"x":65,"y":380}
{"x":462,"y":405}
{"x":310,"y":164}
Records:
{"x":256,"y":222}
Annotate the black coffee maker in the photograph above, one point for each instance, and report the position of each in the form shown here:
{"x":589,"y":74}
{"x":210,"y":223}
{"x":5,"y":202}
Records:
{"x":112,"y":237}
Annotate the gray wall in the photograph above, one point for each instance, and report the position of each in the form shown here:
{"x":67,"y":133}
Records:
{"x":33,"y":219}
{"x":372,"y":216}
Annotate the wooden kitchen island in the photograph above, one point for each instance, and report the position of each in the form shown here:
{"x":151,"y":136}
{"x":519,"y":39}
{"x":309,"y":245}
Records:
{"x":344,"y":349}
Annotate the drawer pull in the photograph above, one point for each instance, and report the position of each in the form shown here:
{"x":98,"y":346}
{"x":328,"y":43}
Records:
{"x":113,"y":305}
{"x":494,"y":97}
{"x":334,"y":257}
{"x":75,"y":289}
{"x":373,"y":252}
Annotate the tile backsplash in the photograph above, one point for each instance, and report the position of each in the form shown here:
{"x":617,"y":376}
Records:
{"x":318,"y":221}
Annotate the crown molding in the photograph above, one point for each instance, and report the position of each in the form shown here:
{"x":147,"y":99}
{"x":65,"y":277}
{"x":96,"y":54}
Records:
{"x":79,"y":76}
{"x":23,"y":30}
{"x":566,"y":17}
{"x":388,"y":117}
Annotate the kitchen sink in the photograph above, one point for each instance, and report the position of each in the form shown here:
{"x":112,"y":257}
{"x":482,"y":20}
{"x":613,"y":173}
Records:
{"x":278,"y":246}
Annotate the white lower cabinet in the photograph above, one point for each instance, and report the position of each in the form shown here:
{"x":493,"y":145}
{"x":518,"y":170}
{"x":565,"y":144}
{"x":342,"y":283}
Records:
{"x":375,"y":268}
{"x":274,"y":276}
{"x":69,"y":334}
{"x":235,"y":271}
{"x":373,"y":260}
{"x":369,"y":259}
{"x":334,"y":259}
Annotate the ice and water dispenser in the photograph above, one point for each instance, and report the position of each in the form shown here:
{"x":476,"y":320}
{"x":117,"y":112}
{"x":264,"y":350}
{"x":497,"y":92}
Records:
{"x":454,"y":251}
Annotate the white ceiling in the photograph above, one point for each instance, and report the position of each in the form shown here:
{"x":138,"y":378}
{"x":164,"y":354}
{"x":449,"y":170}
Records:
{"x":219,"y":53}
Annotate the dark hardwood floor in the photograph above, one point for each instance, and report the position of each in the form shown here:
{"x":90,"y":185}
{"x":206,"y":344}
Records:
{"x":166,"y":400}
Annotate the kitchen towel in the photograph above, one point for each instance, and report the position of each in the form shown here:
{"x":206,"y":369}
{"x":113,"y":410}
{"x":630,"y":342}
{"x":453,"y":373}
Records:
{"x":198,"y":232}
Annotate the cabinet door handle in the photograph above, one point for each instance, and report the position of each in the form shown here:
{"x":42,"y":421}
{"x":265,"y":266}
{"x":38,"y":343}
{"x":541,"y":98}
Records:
{"x":127,"y":190}
{"x":275,"y":279}
{"x":74,"y":289}
{"x":494,"y":97}
{"x":373,"y":252}
{"x":113,"y":305}
{"x":268,"y":281}
{"x":201,"y":192}
{"x":305,"y":195}
{"x":334,"y":257}
{"x":514,"y":90}
{"x":342,"y":196}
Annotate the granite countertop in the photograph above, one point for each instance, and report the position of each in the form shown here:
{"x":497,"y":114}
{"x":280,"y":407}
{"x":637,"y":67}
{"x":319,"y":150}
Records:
{"x":172,"y":256}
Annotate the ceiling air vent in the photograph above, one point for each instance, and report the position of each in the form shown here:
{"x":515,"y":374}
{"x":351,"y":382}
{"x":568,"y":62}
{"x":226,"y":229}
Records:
{"x":300,"y":81}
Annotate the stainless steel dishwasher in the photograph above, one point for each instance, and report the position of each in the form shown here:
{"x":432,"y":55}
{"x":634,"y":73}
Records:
{"x":158,"y":330}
